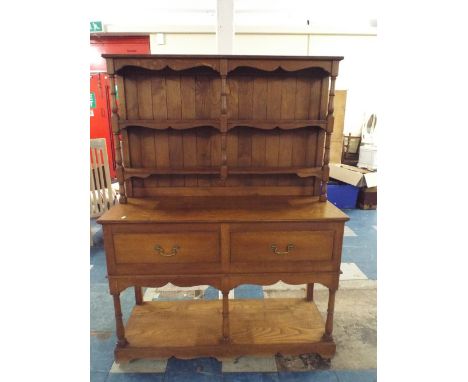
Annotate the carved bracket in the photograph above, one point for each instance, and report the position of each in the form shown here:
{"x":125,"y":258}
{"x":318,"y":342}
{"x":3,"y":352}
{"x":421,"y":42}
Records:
{"x":117,"y":284}
{"x":176,"y":64}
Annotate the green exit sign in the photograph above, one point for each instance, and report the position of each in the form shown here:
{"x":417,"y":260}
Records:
{"x":92,"y":101}
{"x":95,"y":26}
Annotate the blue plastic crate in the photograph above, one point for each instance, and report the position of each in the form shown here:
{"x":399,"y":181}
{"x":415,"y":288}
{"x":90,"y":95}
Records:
{"x":342,"y":195}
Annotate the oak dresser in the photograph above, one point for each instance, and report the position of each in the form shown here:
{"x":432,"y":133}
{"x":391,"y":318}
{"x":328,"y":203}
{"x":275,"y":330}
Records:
{"x":222,"y":164}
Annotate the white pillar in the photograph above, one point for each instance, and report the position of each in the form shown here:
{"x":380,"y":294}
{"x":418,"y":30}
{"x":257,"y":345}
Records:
{"x":225,"y":26}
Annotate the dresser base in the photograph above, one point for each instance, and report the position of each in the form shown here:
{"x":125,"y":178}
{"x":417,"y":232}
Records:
{"x":188,"y":329}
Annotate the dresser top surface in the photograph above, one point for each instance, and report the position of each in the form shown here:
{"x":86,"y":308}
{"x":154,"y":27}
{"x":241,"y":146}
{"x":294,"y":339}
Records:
{"x":222,"y":209}
{"x":227,"y":56}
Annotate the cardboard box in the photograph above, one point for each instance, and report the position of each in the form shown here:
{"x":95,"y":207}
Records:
{"x":354,"y":176}
{"x":367,"y":198}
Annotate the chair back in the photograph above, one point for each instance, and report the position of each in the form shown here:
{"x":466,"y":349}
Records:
{"x":102,"y":194}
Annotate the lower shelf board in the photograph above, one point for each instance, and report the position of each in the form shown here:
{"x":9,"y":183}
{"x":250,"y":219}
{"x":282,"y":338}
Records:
{"x":194,"y":329}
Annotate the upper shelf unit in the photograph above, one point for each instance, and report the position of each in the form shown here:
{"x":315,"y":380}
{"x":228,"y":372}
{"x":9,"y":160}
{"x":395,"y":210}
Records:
{"x":240,"y":122}
{"x":183,"y":93}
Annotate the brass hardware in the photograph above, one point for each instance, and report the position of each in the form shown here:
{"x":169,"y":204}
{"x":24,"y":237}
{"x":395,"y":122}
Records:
{"x":161,"y":251}
{"x":289,"y":247}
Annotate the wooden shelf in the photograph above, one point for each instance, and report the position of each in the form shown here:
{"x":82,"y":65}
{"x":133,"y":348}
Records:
{"x":189,"y":328}
{"x":283,"y":124}
{"x":146,"y":172}
{"x":176,"y":124}
{"x":302,"y":172}
{"x":184,"y":124}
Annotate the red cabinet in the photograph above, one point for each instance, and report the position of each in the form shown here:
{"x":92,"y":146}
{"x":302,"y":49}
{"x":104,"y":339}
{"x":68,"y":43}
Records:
{"x":100,"y":125}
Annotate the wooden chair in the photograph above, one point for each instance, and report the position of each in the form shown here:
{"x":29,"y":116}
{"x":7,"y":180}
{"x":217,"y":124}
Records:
{"x":102,"y":195}
{"x":350,"y":153}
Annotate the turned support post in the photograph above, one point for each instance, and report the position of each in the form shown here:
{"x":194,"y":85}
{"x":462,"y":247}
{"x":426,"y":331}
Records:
{"x":329,"y":131}
{"x":138,"y":295}
{"x":226,"y":316}
{"x":223,"y":118}
{"x":116,"y":131}
{"x":327,"y":336}
{"x":310,"y":292}
{"x":119,"y":326}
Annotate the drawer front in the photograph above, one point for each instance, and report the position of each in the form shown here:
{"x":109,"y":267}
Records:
{"x":281,"y":246}
{"x":166,"y":247}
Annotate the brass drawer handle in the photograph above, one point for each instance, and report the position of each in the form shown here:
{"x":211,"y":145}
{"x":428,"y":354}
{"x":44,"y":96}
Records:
{"x":161,"y":251}
{"x":289,"y":247}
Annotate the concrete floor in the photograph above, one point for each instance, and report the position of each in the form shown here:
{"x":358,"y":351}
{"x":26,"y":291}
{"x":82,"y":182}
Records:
{"x":354,"y":323}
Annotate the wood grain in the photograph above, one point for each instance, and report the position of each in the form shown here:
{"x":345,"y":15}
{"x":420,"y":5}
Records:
{"x":134,"y":143}
{"x":161,"y":143}
{"x":173,"y":97}
{"x":255,"y":246}
{"x":131,"y":96}
{"x":315,"y":99}
{"x":285,"y":155}
{"x":176,"y":156}
{"x":145,"y":100}
{"x":288,"y":98}
{"x":272,"y":117}
{"x":222,"y":209}
{"x":275,"y":321}
{"x":260,"y":89}
{"x":245,"y":94}
{"x":193,"y":247}
{"x":159,"y":98}
{"x":274,"y":94}
{"x":189,"y":138}
{"x":190,"y":324}
{"x":225,"y":159}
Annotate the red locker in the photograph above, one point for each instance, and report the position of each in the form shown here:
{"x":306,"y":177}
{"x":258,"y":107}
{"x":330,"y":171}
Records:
{"x":100,"y":125}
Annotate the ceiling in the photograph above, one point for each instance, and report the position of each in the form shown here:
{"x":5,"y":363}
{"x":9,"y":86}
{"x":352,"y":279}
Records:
{"x":268,"y":13}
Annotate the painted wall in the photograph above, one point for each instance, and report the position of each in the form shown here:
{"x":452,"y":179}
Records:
{"x":184,"y":43}
{"x":358,"y":70}
{"x":358,"y":73}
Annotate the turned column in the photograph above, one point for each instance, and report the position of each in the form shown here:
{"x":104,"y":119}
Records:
{"x":327,"y":336}
{"x":138,"y":295}
{"x":223,"y":118}
{"x":329,"y":131}
{"x":310,"y":292}
{"x":119,"y":326}
{"x":116,"y":131}
{"x":226,"y":316}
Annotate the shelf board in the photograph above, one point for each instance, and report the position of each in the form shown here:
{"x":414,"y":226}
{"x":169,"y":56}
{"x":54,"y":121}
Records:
{"x":283,"y":124}
{"x":163,"y":124}
{"x":183,"y":124}
{"x":146,"y":172}
{"x":130,"y":172}
{"x":300,"y":171}
{"x":186,"y":328}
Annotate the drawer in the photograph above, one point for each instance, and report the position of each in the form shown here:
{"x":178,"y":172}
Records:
{"x":166,"y":247}
{"x":281,"y":246}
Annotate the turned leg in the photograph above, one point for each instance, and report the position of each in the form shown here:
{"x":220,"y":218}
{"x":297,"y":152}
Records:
{"x":138,"y":295}
{"x":226,"y":316}
{"x":310,"y":292}
{"x":329,"y":324}
{"x":119,"y":326}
